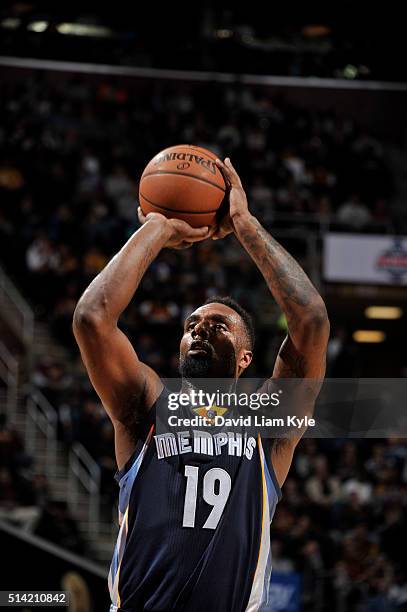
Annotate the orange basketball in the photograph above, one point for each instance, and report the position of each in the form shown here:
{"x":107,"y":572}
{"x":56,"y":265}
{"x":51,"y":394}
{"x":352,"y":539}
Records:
{"x":183,"y":182}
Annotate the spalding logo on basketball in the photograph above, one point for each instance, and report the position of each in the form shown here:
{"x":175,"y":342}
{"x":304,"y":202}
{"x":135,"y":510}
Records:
{"x":183,"y":182}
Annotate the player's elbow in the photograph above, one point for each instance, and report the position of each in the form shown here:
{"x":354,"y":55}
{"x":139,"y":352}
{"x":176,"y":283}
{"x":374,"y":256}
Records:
{"x":317,"y":320}
{"x":86,"y":319}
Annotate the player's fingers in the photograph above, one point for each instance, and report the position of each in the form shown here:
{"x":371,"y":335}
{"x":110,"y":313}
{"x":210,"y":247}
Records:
{"x":221,"y":233}
{"x":141,"y":215}
{"x":229,"y":173}
{"x":235,"y":178}
{"x":224,"y":171}
{"x":211,"y":231}
{"x":197,"y":234}
{"x":151,"y":215}
{"x":188,"y":231}
{"x":217,"y":233}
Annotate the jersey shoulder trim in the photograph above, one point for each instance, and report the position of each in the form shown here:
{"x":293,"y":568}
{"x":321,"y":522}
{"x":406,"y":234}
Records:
{"x":268,"y":444}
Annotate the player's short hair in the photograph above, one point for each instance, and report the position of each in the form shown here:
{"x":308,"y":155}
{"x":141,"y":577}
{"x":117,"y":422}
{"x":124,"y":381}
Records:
{"x":244,"y":315}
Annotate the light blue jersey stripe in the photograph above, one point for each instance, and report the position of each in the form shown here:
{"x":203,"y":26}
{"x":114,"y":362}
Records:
{"x":273,"y":500}
{"x":126,"y":484}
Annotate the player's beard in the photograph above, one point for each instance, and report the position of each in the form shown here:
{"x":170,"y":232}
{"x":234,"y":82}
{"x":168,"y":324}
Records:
{"x":207,"y":366}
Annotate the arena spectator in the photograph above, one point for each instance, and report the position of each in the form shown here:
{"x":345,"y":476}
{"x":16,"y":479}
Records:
{"x":322,"y":488}
{"x":354,"y":214}
{"x":12,"y":452}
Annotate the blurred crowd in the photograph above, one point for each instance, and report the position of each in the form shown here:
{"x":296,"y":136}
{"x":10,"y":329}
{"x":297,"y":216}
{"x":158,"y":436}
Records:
{"x":25,"y":497}
{"x":71,"y":154}
{"x":72,"y":151}
{"x":341,"y":521}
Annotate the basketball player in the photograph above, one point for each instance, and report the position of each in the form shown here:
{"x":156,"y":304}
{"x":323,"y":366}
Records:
{"x":194,"y":532}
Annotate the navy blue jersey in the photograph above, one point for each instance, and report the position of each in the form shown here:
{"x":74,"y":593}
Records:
{"x":195,"y":513}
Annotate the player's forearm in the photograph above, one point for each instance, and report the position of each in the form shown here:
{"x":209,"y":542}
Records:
{"x":287,"y":281}
{"x":111,"y":291}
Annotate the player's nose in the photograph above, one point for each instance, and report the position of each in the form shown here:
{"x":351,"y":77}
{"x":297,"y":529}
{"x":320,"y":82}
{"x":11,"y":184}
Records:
{"x":201,"y":329}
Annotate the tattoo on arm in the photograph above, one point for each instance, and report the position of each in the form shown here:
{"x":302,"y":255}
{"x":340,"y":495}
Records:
{"x":286,"y":280}
{"x":302,"y":353}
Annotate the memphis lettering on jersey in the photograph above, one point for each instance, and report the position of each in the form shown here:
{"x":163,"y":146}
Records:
{"x":204,"y":443}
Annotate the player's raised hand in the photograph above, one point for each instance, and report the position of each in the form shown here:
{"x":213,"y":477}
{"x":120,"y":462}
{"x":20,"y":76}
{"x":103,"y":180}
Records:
{"x":183,"y":235}
{"x":236,"y":196}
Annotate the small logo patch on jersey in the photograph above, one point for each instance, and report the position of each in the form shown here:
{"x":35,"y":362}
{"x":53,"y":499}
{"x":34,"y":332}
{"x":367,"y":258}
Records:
{"x":210,"y":413}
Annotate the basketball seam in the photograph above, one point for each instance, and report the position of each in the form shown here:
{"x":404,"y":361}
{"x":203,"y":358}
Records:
{"x":197,"y":178}
{"x":188,"y":212}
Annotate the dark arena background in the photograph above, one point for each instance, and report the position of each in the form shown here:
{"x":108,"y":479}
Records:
{"x":313,"y":113}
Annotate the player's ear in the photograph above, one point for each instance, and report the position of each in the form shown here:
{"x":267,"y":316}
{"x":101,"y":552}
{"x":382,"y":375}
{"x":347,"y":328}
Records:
{"x":245,"y":358}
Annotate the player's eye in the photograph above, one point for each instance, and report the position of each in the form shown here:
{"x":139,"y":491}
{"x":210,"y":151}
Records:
{"x":190,"y":326}
{"x":220,"y":326}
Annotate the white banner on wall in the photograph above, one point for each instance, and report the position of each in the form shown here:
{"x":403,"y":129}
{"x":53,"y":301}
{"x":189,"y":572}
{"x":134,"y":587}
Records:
{"x":361,"y":258}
